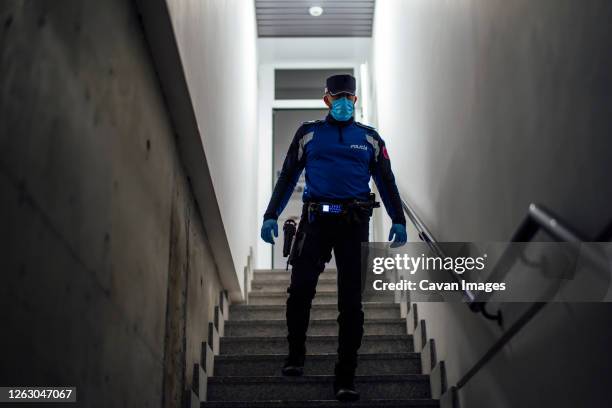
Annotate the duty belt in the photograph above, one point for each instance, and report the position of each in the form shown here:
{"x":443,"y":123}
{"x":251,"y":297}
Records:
{"x":348,"y":208}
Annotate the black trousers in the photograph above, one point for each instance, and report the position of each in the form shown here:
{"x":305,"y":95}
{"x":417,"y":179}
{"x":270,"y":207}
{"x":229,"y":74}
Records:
{"x":312,"y":250}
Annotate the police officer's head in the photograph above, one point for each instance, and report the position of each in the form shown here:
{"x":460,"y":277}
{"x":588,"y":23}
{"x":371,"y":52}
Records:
{"x":340,"y":96}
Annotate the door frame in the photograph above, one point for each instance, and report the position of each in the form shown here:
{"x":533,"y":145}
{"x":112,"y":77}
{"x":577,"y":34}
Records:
{"x":267,"y":105}
{"x":273,"y":175}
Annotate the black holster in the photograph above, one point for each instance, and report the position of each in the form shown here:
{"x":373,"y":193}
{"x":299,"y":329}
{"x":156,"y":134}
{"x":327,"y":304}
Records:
{"x":361,"y":211}
{"x":289,"y":229}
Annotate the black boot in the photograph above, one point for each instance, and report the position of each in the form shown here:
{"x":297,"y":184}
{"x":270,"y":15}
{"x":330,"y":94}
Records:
{"x":294,"y":363}
{"x":344,"y":383}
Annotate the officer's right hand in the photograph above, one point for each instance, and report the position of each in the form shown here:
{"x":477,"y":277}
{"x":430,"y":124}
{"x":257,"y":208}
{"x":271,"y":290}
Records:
{"x":267,"y":228}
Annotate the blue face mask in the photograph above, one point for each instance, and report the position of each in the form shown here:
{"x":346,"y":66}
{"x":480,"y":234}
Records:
{"x":342,"y":109}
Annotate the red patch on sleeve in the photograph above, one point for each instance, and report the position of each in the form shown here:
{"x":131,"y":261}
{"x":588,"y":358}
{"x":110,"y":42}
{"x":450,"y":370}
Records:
{"x":385,"y":153}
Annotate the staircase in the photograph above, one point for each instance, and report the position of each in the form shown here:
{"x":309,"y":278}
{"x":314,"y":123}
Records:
{"x":247,"y":371}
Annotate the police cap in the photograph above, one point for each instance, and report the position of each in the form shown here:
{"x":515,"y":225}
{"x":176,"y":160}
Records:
{"x":337,"y":84}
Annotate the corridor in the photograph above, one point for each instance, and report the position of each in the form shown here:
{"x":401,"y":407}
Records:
{"x":140,"y":143}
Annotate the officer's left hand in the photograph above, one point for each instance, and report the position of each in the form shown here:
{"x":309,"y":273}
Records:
{"x":399,"y":232}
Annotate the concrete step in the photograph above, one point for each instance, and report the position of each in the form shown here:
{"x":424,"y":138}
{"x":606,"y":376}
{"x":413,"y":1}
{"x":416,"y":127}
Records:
{"x":315,"y":387}
{"x":280,"y":298}
{"x":383,"y":403}
{"x":283,"y":290}
{"x":314,"y":344}
{"x":329,"y":311}
{"x":282,"y":274}
{"x":278,"y":285}
{"x":321,"y":297}
{"x":320,"y":364}
{"x":322,"y":327}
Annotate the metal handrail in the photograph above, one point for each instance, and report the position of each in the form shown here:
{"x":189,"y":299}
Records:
{"x":537,"y":218}
{"x":426,"y":236}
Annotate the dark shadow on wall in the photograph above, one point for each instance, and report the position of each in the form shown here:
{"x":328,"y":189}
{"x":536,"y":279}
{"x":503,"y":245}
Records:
{"x":108,"y":279}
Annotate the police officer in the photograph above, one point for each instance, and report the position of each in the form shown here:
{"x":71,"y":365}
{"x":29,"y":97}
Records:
{"x":339,"y":156}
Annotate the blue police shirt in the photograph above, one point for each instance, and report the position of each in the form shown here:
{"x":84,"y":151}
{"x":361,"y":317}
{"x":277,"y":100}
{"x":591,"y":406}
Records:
{"x":339,"y":159}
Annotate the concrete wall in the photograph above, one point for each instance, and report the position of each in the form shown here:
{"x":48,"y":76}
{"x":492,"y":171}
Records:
{"x":217,"y":43}
{"x":108,"y":281}
{"x":487,"y":106}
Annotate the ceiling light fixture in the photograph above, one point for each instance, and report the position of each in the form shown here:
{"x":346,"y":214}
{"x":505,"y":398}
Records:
{"x":315,"y":11}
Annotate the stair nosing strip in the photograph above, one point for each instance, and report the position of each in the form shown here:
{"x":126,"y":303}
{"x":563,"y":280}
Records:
{"x":323,"y":279}
{"x":320,"y":337}
{"x":422,"y":402}
{"x":390,"y":320}
{"x":284,"y":292}
{"x":401,"y":355}
{"x":318,"y":306}
{"x":283,"y":270}
{"x":317,"y":378}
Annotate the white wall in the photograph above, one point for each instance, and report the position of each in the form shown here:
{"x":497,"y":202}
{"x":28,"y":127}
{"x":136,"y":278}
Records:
{"x":313,"y":51}
{"x":217,"y":41}
{"x":293,"y":53}
{"x":486,"y":106}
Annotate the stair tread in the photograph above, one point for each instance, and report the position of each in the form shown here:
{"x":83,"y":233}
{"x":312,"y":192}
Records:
{"x":392,"y":320}
{"x":315,"y":344}
{"x":329,"y":306}
{"x":323,"y":337}
{"x":325,"y":279}
{"x":283,"y":270}
{"x":316,"y":378}
{"x":313,"y":387}
{"x":324,"y":403}
{"x":333,"y":356}
{"x":319,"y":292}
{"x":284,"y":292}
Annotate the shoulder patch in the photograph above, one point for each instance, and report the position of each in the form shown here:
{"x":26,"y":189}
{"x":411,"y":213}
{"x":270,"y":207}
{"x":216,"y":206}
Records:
{"x":310,"y":125}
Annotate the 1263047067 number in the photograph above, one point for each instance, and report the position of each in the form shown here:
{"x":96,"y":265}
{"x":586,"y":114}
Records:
{"x":37,"y":394}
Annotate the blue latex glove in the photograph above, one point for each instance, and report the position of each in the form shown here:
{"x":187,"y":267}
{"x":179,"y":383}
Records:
{"x":267,"y":228}
{"x":399,"y":232}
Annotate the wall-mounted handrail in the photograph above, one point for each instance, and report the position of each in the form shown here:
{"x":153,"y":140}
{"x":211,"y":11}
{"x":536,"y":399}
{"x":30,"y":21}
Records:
{"x":426,"y":236}
{"x":538,"y":218}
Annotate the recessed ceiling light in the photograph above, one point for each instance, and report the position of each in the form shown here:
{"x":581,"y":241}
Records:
{"x":315,"y":11}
